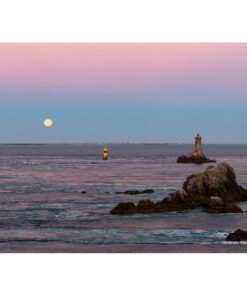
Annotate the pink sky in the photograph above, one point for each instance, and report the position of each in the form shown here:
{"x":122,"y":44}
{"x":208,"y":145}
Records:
{"x":144,"y":92}
{"x":123,"y":67}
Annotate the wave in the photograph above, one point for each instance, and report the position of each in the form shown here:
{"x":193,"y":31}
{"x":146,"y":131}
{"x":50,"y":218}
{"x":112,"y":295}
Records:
{"x":72,"y":214}
{"x":115,"y":236}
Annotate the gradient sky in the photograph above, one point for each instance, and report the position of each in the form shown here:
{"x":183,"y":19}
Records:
{"x":123,"y":92}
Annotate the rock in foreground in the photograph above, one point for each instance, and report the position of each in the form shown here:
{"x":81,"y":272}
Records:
{"x":215,"y":190}
{"x":219,"y":181}
{"x":238,"y":235}
{"x":194,"y":158}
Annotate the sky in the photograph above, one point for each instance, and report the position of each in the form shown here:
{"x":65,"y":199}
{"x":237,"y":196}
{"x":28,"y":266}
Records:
{"x":123,"y":92}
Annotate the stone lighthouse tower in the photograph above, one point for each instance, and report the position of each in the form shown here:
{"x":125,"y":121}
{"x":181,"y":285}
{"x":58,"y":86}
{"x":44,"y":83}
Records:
{"x":198,"y":144}
{"x":197,"y":156}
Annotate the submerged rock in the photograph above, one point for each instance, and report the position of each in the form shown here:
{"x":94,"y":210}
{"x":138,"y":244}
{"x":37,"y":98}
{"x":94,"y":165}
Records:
{"x":215,"y":190}
{"x":194,"y":157}
{"x":132,"y":192}
{"x":238,"y":235}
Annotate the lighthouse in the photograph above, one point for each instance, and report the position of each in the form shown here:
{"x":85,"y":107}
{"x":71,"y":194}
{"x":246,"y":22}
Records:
{"x":198,"y":144}
{"x":197,"y":156}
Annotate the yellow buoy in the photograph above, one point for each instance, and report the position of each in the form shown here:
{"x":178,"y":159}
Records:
{"x":105,"y":155}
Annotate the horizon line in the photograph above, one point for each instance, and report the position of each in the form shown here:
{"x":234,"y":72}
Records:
{"x":119,"y":143}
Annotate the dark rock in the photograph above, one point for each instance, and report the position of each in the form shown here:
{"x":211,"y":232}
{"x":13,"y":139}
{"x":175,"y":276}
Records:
{"x":216,"y":204}
{"x":84,"y":192}
{"x":223,"y":209}
{"x":215,"y":201}
{"x":217,"y":181}
{"x":216,"y":189}
{"x":133,"y":192}
{"x":145,"y":206}
{"x":194,"y":157}
{"x":238,"y":235}
{"x":124,"y":208}
{"x":173,"y":204}
{"x":147,"y":191}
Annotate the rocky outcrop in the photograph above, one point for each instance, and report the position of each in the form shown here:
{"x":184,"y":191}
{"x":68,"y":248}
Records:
{"x":124,"y":208}
{"x":215,"y":190}
{"x":194,"y":157}
{"x":217,"y":181}
{"x":168,"y":204}
{"x":238,"y":235}
{"x":132,"y":192}
{"x":226,"y":208}
{"x":216,"y":204}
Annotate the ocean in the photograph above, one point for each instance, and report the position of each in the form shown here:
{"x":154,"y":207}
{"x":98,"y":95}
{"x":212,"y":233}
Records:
{"x":42,"y":208}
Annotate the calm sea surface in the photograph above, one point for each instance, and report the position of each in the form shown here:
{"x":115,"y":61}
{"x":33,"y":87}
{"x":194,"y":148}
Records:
{"x":42,"y":208}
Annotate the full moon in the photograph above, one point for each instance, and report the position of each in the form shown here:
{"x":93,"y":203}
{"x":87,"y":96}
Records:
{"x":48,"y":122}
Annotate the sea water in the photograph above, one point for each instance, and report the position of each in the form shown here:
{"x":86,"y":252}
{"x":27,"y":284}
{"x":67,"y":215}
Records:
{"x":42,"y":208}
